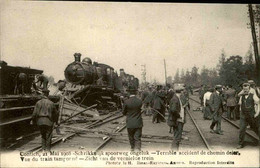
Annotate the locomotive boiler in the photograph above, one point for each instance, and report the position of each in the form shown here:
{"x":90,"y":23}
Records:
{"x":98,"y":82}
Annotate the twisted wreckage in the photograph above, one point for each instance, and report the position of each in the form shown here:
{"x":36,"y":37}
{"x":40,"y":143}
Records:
{"x":86,"y":86}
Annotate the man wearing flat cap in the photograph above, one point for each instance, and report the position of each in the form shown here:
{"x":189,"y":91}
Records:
{"x":252,"y":90}
{"x":134,"y":122}
{"x":45,"y":115}
{"x":249,"y":114}
{"x":216,"y":106}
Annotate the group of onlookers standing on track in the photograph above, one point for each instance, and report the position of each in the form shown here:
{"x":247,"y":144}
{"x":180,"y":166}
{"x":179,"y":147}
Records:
{"x":243,"y":104}
{"x":157,"y":100}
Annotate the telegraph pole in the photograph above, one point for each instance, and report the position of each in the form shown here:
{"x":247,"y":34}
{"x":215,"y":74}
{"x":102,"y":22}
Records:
{"x":252,"y":24}
{"x":144,"y":73}
{"x":165,"y":72}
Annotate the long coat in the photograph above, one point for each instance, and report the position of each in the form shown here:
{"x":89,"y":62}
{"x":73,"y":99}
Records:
{"x":158,"y":102}
{"x":216,"y":103}
{"x":174,"y":111}
{"x":132,"y":110}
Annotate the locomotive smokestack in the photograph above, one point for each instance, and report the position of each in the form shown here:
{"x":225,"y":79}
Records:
{"x":77,"y":57}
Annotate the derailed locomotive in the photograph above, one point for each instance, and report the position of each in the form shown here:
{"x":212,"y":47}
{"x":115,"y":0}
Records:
{"x":97,"y":83}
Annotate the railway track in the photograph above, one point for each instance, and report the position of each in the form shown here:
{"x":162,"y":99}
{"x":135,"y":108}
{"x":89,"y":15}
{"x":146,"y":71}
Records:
{"x":200,"y":132}
{"x":81,"y":130}
{"x":251,"y":136}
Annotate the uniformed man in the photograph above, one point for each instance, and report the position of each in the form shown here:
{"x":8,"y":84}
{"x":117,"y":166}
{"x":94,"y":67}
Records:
{"x":43,"y":81}
{"x":249,"y":114}
{"x":44,"y":116}
{"x":134,"y":122}
{"x":216,"y":106}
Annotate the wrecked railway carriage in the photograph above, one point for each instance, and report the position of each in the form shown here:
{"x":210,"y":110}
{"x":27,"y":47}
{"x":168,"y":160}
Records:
{"x":16,"y":108}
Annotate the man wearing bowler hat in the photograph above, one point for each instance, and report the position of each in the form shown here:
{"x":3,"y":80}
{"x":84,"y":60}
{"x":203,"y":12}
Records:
{"x":134,"y":122}
{"x":216,"y":106}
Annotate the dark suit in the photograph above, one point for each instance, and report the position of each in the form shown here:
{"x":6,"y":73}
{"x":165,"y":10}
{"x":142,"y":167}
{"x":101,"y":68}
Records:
{"x":216,"y":106}
{"x":174,"y":111}
{"x":174,"y":115}
{"x":158,"y":105}
{"x":134,"y":121}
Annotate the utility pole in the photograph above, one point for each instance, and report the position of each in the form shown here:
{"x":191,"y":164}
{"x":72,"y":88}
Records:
{"x":252,"y":24}
{"x":144,"y":73}
{"x":165,"y":72}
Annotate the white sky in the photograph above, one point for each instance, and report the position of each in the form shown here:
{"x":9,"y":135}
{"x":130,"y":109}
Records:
{"x":45,"y":35}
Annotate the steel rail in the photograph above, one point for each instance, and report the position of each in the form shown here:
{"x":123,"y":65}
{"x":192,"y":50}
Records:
{"x":232,"y":123}
{"x":93,"y":125}
{"x":201,"y":135}
{"x":237,"y":126}
{"x":108,"y":139}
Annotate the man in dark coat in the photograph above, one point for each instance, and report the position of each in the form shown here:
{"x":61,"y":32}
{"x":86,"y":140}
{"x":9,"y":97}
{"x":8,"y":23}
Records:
{"x":134,"y":122}
{"x":177,"y":117}
{"x":216,"y":105}
{"x":147,"y":101}
{"x":45,"y":115}
{"x":158,"y":105}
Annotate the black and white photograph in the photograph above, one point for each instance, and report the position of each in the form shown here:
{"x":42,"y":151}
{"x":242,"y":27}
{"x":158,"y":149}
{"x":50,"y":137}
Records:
{"x":129,"y":84}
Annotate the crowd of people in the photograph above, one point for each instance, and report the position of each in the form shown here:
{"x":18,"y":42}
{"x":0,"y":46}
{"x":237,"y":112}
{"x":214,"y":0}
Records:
{"x":158,"y":100}
{"x":242,"y":103}
{"x":155,"y":101}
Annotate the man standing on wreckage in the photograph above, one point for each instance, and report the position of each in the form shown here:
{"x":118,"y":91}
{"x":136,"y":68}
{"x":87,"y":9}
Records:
{"x":177,"y":114}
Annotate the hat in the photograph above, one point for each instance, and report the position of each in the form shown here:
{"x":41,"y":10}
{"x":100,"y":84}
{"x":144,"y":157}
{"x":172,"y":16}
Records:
{"x":251,"y":82}
{"x":218,"y":87}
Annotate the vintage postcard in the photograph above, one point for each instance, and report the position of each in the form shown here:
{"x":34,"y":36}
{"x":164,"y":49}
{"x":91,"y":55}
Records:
{"x":129,"y":84}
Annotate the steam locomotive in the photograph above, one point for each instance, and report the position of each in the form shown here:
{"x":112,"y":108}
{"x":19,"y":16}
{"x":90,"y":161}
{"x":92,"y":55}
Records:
{"x":98,"y":83}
